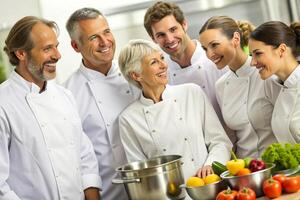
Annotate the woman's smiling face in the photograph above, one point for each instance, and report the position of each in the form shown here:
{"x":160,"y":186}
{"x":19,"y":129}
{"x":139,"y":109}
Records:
{"x":265,"y":58}
{"x":219,"y":49}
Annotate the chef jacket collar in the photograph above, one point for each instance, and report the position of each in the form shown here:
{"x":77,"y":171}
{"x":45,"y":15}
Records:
{"x":195,"y":60}
{"x":149,"y":102}
{"x":245,"y":70}
{"x":93,"y":74}
{"x":293,"y":80}
{"x":24,"y":84}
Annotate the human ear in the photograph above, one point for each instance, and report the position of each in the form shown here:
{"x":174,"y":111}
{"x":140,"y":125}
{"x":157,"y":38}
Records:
{"x":185,"y":25}
{"x":282,"y":48}
{"x":75,"y":46}
{"x":135,"y":76}
{"x":21,"y":54}
{"x":236,"y":39}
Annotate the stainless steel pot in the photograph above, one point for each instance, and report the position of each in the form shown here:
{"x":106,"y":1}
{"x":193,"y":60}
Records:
{"x":158,"y":178}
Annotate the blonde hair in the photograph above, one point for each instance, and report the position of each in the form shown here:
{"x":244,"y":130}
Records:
{"x":131,"y":56}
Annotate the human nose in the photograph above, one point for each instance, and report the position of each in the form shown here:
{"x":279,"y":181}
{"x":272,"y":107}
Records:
{"x":169,"y":37}
{"x":253,"y":62}
{"x":103,"y":40}
{"x":163,"y":64}
{"x":56,"y":54}
{"x":209,"y":53}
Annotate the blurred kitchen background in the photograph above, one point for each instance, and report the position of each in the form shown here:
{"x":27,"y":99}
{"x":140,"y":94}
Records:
{"x":126,"y":20}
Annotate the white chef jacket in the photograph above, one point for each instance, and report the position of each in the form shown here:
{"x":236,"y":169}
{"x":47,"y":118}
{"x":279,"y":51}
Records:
{"x":202,"y":72}
{"x":100,"y":100}
{"x":44,"y":154}
{"x":246,"y":109}
{"x":286,"y":114}
{"x":183,"y":123}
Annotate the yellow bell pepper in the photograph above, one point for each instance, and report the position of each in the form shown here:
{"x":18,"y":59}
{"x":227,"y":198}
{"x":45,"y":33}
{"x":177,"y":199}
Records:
{"x":235,"y":165}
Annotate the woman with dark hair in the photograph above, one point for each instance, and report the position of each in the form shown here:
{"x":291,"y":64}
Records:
{"x":275,"y":47}
{"x":240,"y":92}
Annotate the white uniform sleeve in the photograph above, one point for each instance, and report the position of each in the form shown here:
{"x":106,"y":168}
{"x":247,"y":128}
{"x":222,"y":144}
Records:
{"x":5,"y":191}
{"x":217,"y":142}
{"x":88,"y":160}
{"x":219,"y":93}
{"x":132,"y":147}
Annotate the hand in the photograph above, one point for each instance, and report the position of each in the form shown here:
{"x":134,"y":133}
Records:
{"x":92,"y":194}
{"x":204,"y":171}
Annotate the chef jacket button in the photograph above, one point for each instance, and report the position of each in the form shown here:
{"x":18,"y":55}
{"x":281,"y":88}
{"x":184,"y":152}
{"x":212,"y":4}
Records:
{"x":185,"y":139}
{"x":174,"y":74}
{"x":107,"y":125}
{"x":227,"y":82}
{"x":199,"y":67}
{"x":127,"y":91}
{"x":147,"y":111}
{"x":119,"y":74}
{"x":203,"y":86}
{"x":164,"y":149}
{"x":153,"y":131}
{"x":175,"y":100}
{"x":180,"y":118}
{"x":192,"y":160}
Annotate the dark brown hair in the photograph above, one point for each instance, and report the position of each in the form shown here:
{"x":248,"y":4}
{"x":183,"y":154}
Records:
{"x":275,"y":33}
{"x":160,"y":10}
{"x":19,"y":36}
{"x":229,"y":26}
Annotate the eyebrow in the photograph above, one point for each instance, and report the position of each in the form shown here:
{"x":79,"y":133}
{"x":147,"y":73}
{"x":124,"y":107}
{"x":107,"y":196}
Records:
{"x":255,"y":50}
{"x":212,"y":41}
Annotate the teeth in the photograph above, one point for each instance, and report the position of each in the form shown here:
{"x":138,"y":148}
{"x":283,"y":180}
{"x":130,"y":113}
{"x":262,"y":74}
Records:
{"x":104,"y":50}
{"x":171,"y":46}
{"x":217,"y":60}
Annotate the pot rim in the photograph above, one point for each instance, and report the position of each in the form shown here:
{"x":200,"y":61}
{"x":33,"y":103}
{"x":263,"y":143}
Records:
{"x":176,"y":159}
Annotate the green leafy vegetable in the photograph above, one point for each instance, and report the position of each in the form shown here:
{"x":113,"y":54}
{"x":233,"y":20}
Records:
{"x":285,"y":156}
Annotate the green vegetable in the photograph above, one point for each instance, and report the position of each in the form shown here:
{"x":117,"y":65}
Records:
{"x":218,"y":168}
{"x":285,"y":156}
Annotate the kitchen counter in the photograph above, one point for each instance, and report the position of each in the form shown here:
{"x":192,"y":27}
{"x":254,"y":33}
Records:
{"x":292,"y":196}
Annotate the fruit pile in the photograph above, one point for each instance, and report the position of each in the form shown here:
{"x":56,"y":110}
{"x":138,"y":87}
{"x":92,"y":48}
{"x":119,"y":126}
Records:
{"x":240,"y":167}
{"x":196,"y":181}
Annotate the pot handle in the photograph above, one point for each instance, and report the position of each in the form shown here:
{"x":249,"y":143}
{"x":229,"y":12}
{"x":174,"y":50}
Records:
{"x":122,"y":181}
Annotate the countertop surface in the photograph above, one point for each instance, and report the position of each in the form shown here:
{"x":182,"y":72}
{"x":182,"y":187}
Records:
{"x":292,"y":196}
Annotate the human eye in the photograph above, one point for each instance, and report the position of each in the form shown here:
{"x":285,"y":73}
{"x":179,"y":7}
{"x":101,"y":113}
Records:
{"x":159,"y":35}
{"x":173,"y":29}
{"x":215,"y":45}
{"x":107,"y":31}
{"x":47,"y":48}
{"x":92,"y":38}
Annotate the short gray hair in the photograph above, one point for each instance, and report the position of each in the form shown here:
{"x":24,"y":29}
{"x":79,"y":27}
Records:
{"x":131,"y":55}
{"x":76,"y":17}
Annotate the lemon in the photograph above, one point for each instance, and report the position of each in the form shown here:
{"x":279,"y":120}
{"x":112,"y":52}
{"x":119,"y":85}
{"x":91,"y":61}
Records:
{"x":212,"y":178}
{"x":194,"y":182}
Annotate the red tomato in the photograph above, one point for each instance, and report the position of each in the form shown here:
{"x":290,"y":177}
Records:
{"x":291,"y":184}
{"x":279,"y":177}
{"x":246,"y":194}
{"x":272,"y":188}
{"x":227,"y":195}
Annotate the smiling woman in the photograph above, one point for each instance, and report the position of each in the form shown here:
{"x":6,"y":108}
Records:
{"x":275,"y":47}
{"x":168,"y":119}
